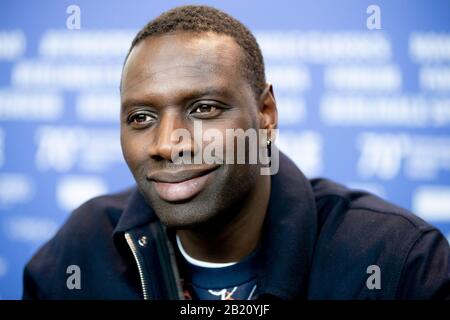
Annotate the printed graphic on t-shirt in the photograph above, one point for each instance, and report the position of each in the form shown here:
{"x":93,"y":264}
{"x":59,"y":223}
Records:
{"x":245,"y":291}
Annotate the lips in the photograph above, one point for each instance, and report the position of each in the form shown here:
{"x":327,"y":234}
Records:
{"x":179,"y":185}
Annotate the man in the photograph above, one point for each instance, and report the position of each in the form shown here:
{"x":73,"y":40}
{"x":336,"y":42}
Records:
{"x":215,"y":230}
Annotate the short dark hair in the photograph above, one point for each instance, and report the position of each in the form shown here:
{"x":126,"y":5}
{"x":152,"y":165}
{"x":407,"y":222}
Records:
{"x":200,"y":19}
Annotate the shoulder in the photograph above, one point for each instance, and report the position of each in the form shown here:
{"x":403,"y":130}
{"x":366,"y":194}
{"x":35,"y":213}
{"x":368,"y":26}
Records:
{"x":357,"y":230}
{"x":363,"y":208}
{"x":86,"y":233}
{"x":95,"y":217}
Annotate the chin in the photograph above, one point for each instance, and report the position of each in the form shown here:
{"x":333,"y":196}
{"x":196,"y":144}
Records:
{"x":189,"y":215}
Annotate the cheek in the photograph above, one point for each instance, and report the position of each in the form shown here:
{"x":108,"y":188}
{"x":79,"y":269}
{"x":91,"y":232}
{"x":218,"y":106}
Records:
{"x":239,"y":180}
{"x":237,"y":120}
{"x":132,"y":150}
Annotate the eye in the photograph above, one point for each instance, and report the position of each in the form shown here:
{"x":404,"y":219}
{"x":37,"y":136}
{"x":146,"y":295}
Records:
{"x":140,"y":119}
{"x":204,"y":108}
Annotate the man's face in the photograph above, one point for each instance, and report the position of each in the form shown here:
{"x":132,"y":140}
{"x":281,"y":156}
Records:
{"x":171,"y":82}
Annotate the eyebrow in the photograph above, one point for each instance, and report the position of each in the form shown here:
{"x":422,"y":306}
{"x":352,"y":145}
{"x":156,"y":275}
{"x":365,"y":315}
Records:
{"x":191,"y":95}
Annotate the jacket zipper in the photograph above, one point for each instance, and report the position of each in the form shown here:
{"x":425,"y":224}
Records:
{"x":138,"y":260}
{"x":167,"y":258}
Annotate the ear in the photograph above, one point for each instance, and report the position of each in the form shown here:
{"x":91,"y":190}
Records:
{"x":268,"y":112}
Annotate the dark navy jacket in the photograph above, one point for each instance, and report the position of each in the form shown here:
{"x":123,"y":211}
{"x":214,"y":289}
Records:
{"x":319,"y":239}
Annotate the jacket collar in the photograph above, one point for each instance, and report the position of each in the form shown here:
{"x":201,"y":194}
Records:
{"x":289,"y":234}
{"x":289,"y":231}
{"x":136,"y":213}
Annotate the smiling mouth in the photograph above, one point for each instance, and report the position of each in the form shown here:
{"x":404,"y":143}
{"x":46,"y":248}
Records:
{"x":181,"y":185}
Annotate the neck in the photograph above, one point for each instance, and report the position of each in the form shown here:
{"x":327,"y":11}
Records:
{"x":237,"y":238}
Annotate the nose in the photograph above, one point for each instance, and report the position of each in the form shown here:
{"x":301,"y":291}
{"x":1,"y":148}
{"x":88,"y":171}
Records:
{"x":172,"y":139}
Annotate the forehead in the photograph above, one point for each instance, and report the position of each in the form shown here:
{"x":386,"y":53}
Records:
{"x":182,"y":61}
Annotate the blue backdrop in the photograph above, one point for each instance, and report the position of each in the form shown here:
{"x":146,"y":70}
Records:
{"x":363,"y":90}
